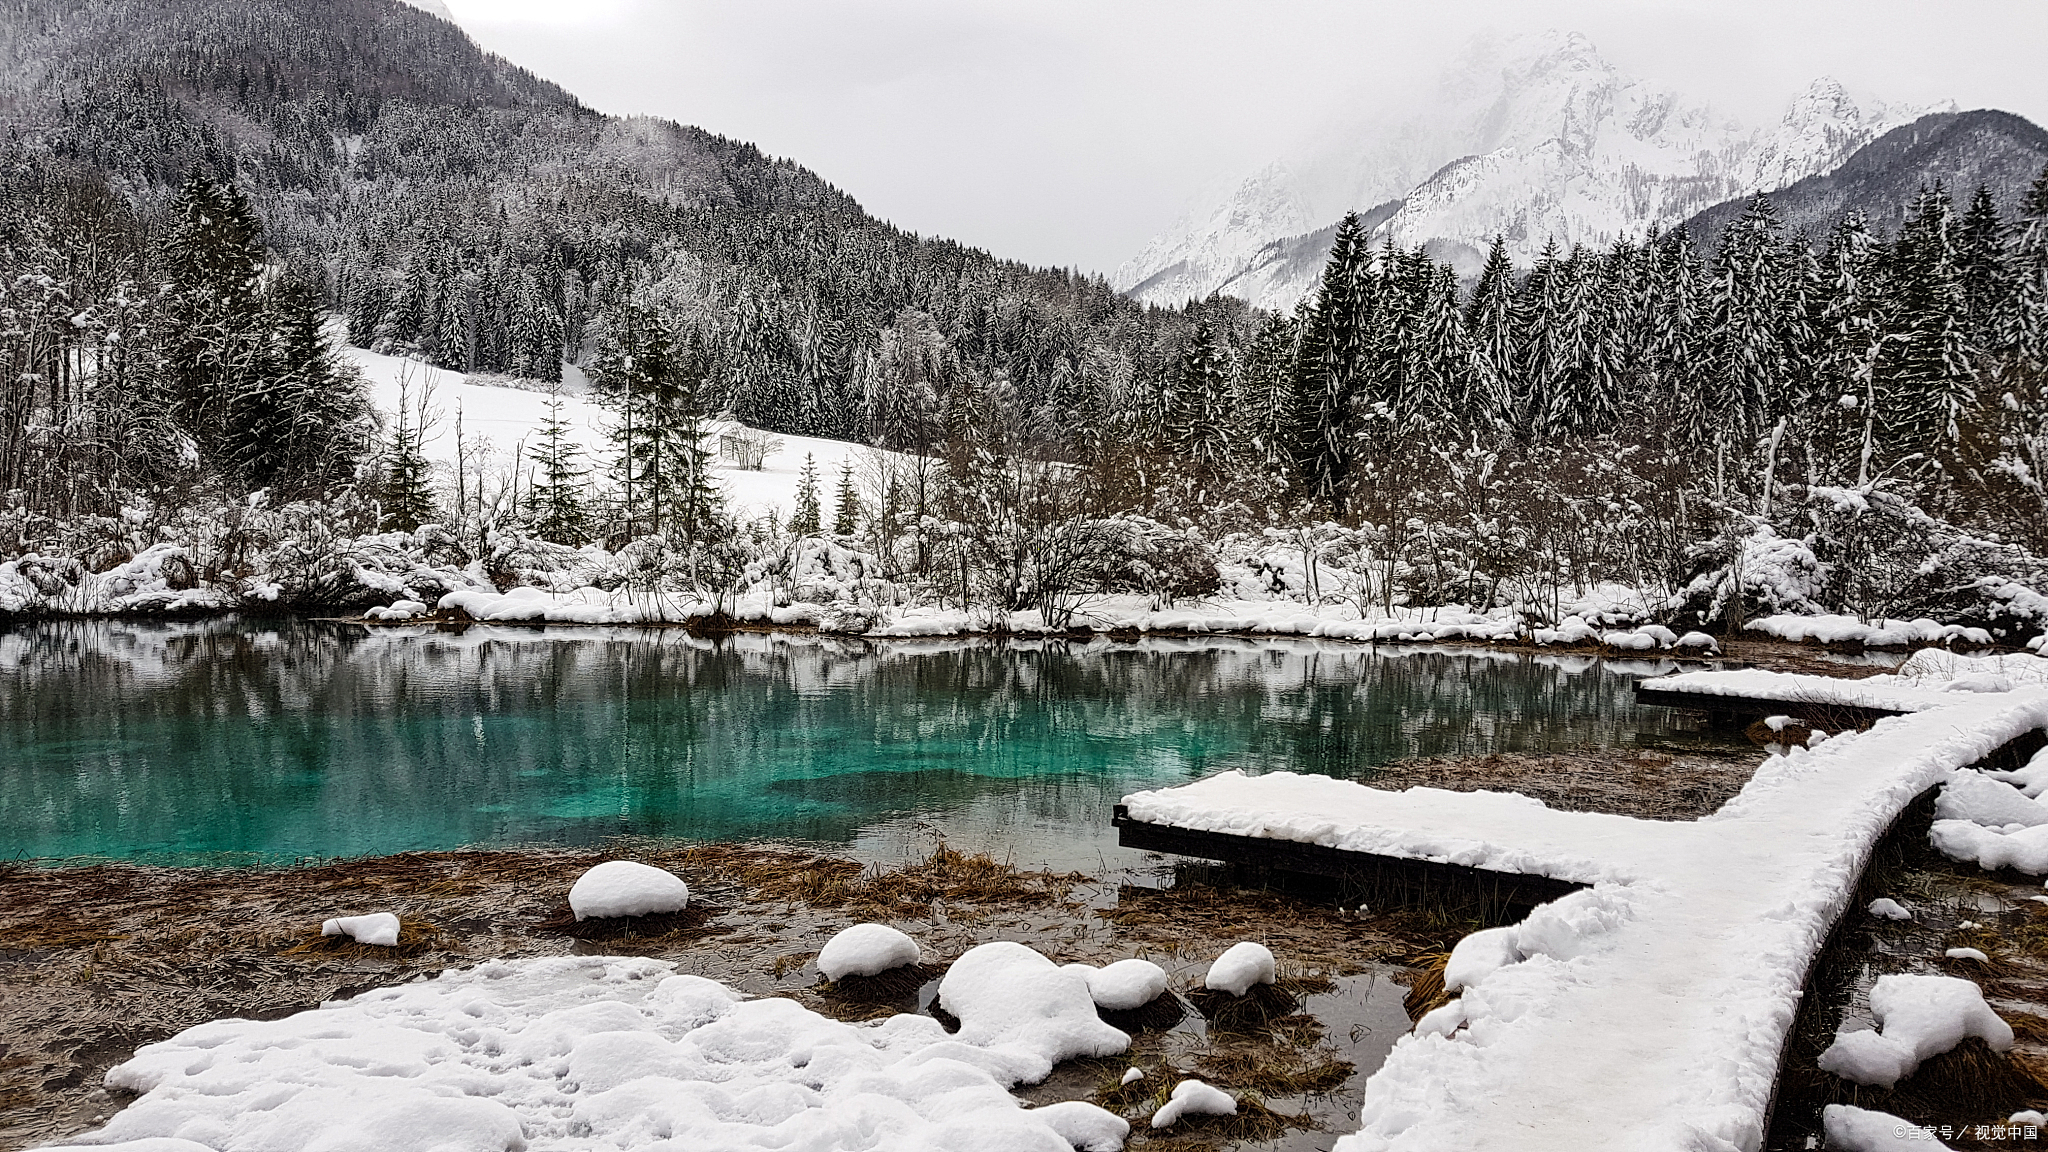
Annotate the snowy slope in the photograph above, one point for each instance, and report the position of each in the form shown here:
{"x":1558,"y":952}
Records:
{"x":1531,"y":138}
{"x":507,"y":417}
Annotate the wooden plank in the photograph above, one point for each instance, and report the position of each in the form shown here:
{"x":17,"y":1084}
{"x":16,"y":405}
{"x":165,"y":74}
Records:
{"x":1386,"y":877}
{"x":1745,"y":708}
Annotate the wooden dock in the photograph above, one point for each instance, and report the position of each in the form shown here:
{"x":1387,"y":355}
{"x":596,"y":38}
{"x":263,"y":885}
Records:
{"x":1742,"y":710}
{"x":1383,"y":879}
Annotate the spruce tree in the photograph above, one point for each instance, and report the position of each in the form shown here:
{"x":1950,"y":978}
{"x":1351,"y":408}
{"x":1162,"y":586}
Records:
{"x":1328,"y":368}
{"x":555,"y":496}
{"x":408,"y":491}
{"x":2024,"y":328}
{"x":1926,"y":378}
{"x":1196,"y":416}
{"x":1987,"y":279}
{"x":846,"y":503}
{"x":1492,"y":324}
{"x":809,"y":518}
{"x":653,"y":380}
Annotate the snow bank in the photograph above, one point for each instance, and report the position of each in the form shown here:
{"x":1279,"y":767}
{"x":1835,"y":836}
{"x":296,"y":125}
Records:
{"x":1918,"y":1017}
{"x":1931,"y":678}
{"x":591,"y":1053}
{"x":1672,"y":980}
{"x":1853,"y":1129}
{"x":1022,"y":1013}
{"x":1882,"y":634}
{"x":380,"y":928}
{"x":1242,"y":965}
{"x":1124,"y":985}
{"x":1193,"y":1098}
{"x":627,"y":888}
{"x":867,"y":950}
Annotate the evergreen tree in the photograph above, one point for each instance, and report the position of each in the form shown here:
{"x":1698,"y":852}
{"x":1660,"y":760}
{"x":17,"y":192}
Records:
{"x":1926,"y":379}
{"x":1492,"y":324}
{"x":1196,"y":414}
{"x":846,"y":503}
{"x":1328,"y":370}
{"x":2024,"y":329}
{"x":1987,"y":279}
{"x":1751,"y":373}
{"x":652,"y":381}
{"x":408,"y":491}
{"x":555,"y":497}
{"x":809,"y":518}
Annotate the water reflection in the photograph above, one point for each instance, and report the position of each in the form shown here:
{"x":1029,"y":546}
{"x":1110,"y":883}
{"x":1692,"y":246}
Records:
{"x":232,"y":740}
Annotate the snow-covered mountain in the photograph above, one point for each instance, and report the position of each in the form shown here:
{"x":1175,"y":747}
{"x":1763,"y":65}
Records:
{"x":1531,"y":138}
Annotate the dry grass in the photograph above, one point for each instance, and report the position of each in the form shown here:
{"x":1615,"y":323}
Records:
{"x":97,"y":960}
{"x":1426,"y":991}
{"x":1656,"y":785}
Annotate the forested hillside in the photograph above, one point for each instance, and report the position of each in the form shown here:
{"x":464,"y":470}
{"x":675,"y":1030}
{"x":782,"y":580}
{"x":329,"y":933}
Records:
{"x":1843,"y":416}
{"x":452,"y":206}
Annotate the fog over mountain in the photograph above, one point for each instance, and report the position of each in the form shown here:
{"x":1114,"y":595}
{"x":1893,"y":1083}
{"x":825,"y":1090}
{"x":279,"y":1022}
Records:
{"x":1534,"y":138}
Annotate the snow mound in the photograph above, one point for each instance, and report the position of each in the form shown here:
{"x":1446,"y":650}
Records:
{"x":583,"y":1052}
{"x":1978,"y":798}
{"x":627,"y":888}
{"x":1828,"y":629}
{"x":1023,"y":1012}
{"x":1889,"y":909}
{"x":1083,"y":1125}
{"x":1193,"y":1098}
{"x":2023,"y":850}
{"x":1853,"y":1129}
{"x":867,"y":950}
{"x":1124,"y":985}
{"x":1242,"y":965}
{"x":380,"y":928}
{"x":1131,"y":1076}
{"x":1967,"y":954}
{"x":1918,"y":1017}
{"x":2030,"y":778}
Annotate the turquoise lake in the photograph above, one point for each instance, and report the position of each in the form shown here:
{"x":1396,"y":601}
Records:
{"x":260,"y":741}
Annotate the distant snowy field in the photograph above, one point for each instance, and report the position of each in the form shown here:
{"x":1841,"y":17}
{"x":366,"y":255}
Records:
{"x":506,"y":417}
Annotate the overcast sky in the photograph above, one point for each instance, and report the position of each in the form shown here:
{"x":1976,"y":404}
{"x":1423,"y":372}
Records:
{"x":1068,"y":132}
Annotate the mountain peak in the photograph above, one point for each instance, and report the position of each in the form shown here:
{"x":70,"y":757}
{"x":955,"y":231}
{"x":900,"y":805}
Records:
{"x":1532,"y":137}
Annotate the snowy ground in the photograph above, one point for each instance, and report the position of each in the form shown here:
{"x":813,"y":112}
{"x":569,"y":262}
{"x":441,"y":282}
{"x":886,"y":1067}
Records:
{"x":608,"y":1052}
{"x":1672,"y":981}
{"x":508,"y":416}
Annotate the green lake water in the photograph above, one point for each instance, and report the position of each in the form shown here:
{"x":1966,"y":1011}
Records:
{"x":260,"y":741}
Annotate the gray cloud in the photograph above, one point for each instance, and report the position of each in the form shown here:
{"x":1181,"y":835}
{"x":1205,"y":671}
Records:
{"x":1068,"y":133}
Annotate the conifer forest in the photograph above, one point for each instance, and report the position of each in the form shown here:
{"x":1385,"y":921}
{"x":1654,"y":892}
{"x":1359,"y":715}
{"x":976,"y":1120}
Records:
{"x":193,"y":228}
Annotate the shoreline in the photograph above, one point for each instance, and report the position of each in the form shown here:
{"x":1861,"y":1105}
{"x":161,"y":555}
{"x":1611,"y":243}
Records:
{"x":1748,"y":650}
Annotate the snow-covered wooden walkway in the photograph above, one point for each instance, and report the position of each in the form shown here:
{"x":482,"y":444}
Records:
{"x":1649,"y":1010}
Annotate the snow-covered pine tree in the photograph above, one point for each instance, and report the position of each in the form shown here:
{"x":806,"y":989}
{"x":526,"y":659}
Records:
{"x":1492,"y":327}
{"x":1544,"y":351}
{"x":652,"y":379}
{"x":846,"y":503}
{"x":2024,"y":328}
{"x":1265,"y":397}
{"x":1446,"y":390}
{"x":1750,"y":372}
{"x":407,"y":492}
{"x":1197,"y":417}
{"x":1328,"y":367}
{"x":555,"y":504}
{"x":809,"y":519}
{"x":1926,"y":378}
{"x":1987,"y":278}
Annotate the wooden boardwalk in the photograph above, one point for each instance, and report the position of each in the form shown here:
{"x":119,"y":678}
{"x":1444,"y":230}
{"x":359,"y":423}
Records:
{"x":1375,"y":879}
